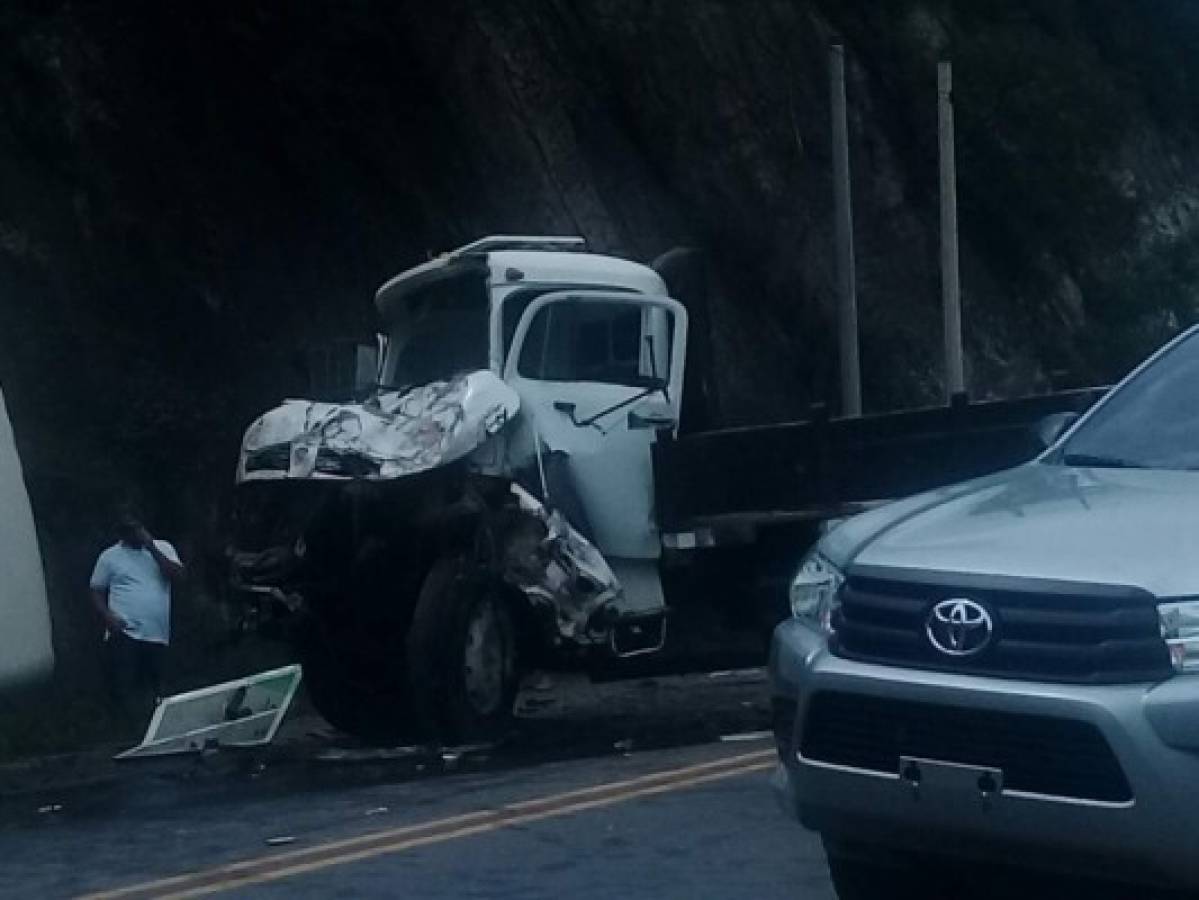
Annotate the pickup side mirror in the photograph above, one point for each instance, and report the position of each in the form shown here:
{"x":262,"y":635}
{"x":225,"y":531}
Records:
{"x":657,"y":416}
{"x":1053,"y":426}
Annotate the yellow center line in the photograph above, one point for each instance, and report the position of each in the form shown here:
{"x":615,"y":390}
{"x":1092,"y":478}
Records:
{"x":394,"y":840}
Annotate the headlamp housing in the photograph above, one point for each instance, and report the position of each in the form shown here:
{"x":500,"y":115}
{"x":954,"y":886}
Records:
{"x":815,"y":590}
{"x":1180,"y":630}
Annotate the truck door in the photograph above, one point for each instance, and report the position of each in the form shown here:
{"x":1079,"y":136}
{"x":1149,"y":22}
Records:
{"x":599,"y":373}
{"x":25,"y":649}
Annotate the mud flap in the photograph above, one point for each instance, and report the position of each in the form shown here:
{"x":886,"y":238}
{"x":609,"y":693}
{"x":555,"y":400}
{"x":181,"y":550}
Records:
{"x":240,"y":714}
{"x":641,"y":626}
{"x":638,"y":635}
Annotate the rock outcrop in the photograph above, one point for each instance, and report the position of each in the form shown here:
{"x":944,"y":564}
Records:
{"x":188,"y":192}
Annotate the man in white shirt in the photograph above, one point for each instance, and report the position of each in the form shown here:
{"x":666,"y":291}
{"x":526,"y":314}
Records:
{"x":131,"y":591}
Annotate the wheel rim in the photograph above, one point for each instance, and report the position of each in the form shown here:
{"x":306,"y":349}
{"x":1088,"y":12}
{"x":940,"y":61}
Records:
{"x":487,"y":658}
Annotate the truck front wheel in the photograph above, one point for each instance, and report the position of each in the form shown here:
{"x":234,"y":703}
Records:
{"x":352,"y":684}
{"x":462,"y":655}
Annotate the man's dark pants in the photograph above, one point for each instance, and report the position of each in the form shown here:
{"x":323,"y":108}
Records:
{"x":134,"y":679}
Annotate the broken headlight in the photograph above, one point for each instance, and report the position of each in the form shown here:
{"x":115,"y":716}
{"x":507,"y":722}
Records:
{"x":814,"y":591}
{"x":277,"y":458}
{"x":1180,"y":629}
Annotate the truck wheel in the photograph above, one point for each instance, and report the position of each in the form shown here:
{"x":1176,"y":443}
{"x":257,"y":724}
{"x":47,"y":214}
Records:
{"x":462,"y":655}
{"x":350,"y":692}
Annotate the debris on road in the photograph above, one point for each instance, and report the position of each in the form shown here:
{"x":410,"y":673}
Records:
{"x":469,"y":749}
{"x":371,"y":754}
{"x":543,"y":682}
{"x":280,"y":841}
{"x":740,"y":676}
{"x":238,"y":714}
{"x":746,"y":736}
{"x":50,"y":808}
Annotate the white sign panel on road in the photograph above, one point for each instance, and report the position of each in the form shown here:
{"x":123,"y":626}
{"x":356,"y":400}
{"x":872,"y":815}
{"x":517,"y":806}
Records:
{"x":242,"y":713}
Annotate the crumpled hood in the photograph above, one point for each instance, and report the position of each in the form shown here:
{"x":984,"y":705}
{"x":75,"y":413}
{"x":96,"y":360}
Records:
{"x":1113,"y":526}
{"x":389,"y":436}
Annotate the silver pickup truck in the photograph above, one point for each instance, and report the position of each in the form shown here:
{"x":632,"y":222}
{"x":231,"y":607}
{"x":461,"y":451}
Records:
{"x":1003,"y":675}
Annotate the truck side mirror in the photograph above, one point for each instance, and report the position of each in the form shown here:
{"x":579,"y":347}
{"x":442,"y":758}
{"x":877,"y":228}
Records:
{"x":366,"y":368}
{"x":657,"y":416}
{"x":1053,"y":426}
{"x":341,"y":370}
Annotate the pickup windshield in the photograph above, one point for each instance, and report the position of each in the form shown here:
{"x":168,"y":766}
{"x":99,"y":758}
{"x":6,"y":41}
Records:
{"x":1152,"y":422}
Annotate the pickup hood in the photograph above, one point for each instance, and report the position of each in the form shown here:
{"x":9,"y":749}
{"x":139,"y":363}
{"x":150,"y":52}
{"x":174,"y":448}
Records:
{"x":391,"y":435}
{"x":1133,"y":527}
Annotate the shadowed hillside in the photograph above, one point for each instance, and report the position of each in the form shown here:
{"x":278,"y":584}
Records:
{"x":189,"y":192}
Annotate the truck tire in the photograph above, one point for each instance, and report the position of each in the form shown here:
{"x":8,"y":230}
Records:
{"x":352,"y":693}
{"x":462,"y":655}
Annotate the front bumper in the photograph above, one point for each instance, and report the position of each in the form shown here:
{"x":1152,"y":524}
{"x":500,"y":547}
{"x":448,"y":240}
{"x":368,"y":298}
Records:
{"x":1153,"y":731}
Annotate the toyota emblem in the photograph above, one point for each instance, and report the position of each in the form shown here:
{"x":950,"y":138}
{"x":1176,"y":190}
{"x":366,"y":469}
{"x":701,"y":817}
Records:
{"x":959,"y":627}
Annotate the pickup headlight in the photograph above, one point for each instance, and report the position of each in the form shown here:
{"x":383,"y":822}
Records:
{"x":814,"y":591}
{"x":1180,"y":628}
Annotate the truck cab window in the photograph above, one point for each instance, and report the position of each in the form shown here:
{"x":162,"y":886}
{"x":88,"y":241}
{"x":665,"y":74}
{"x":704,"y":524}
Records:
{"x":587,"y":342}
{"x":518,"y":301}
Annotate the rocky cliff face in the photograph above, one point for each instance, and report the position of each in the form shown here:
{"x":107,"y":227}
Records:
{"x":190,"y":191}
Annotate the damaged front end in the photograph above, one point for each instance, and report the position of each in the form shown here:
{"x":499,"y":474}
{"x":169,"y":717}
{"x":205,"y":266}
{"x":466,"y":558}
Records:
{"x":563,"y":576}
{"x":272,"y":574}
{"x":342,"y":509}
{"x":392,"y":435}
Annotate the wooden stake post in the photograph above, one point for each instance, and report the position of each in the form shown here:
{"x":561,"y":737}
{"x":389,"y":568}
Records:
{"x":951,"y":294}
{"x":851,"y":376}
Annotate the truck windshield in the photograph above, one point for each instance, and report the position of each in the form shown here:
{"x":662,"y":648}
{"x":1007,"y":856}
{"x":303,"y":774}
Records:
{"x":1150,"y":423}
{"x":431,"y":343}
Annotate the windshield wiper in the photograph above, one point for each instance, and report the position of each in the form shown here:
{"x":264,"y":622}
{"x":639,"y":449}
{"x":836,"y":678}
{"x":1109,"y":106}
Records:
{"x":568,"y":409}
{"x":653,"y":384}
{"x":1099,"y":461}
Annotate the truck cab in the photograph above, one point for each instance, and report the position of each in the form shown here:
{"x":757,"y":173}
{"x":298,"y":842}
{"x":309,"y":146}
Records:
{"x":595,"y":352}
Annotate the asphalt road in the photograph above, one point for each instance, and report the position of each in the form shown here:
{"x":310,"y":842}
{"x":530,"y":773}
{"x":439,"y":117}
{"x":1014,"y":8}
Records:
{"x":692,"y":822}
{"x":589,"y":804}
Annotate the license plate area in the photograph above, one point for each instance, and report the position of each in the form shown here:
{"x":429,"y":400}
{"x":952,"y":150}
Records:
{"x":936,"y":776}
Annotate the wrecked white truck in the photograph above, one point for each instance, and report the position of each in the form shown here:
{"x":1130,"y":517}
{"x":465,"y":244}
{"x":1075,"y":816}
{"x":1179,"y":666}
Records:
{"x":510,"y":490}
